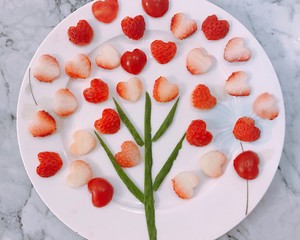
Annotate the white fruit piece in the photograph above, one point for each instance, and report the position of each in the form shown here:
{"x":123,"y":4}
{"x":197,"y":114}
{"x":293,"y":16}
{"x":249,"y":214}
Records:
{"x":130,"y":90}
{"x":182,"y":27}
{"x":84,"y":142}
{"x":47,"y":68}
{"x":265,"y":106}
{"x":184,"y":184}
{"x":212,"y":163}
{"x":80,"y":174}
{"x":237,"y":84}
{"x":65,"y":102}
{"x":235,"y":51}
{"x":198,"y":61}
{"x":79,"y":67}
{"x":108,"y":57}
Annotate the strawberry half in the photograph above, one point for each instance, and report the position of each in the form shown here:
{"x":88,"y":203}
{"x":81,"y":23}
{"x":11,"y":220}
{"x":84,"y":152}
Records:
{"x":164,"y":91}
{"x":245,"y":130}
{"x":105,"y":10}
{"x":215,"y":29}
{"x":98,"y":92}
{"x":202,"y":98}
{"x":184,"y":184}
{"x":134,"y":28}
{"x":81,"y":34}
{"x":47,"y":68}
{"x":197,"y":135}
{"x":265,"y":106}
{"x":42,"y":124}
{"x":182,"y":27}
{"x":163,"y":52}
{"x":50,"y":164}
{"x":109,"y":123}
{"x":130,"y":155}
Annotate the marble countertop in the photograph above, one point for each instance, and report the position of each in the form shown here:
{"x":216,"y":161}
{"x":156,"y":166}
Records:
{"x":23,"y":26}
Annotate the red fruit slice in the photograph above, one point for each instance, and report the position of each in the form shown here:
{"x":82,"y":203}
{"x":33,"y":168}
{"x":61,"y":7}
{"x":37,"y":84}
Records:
{"x":163,"y":52}
{"x":215,"y":29}
{"x":134,"y":28}
{"x":245,"y":130}
{"x":197,"y":134}
{"x":102,"y":191}
{"x":246,"y":165}
{"x":155,"y":8}
{"x":105,"y":10}
{"x":109,"y":123}
{"x":98,"y":92}
{"x":202,"y":98}
{"x":81,"y":34}
{"x":133,"y":62}
{"x":50,"y":164}
{"x":129,"y":156}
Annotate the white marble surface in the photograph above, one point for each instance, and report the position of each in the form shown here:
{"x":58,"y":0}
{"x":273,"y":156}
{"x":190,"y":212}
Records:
{"x":23,"y":26}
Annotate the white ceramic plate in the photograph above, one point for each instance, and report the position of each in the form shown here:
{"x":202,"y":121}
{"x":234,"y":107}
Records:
{"x":219,"y":204}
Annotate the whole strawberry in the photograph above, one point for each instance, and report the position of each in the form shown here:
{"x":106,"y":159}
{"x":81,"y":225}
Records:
{"x":134,"y":28}
{"x":109,"y":123}
{"x":197,"y":134}
{"x":215,"y":29}
{"x":50,"y":164}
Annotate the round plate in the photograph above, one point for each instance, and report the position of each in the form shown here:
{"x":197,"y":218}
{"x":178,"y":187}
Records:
{"x":218,"y":204}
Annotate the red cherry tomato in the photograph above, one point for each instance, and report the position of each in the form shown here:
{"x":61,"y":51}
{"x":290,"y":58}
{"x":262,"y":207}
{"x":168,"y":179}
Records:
{"x":155,"y":8}
{"x":246,"y":165}
{"x":133,"y":62}
{"x":102,"y":191}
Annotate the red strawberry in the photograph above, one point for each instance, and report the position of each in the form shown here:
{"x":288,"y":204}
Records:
{"x":163,"y":52}
{"x":202,"y":98}
{"x":134,"y":28}
{"x":109,"y":123}
{"x":106,"y":10}
{"x":130,"y":155}
{"x":197,"y":134}
{"x":81,"y":34}
{"x":98,"y":92}
{"x":215,"y":29}
{"x":245,"y":130}
{"x":50,"y":164}
{"x":42,"y":124}
{"x":133,"y":62}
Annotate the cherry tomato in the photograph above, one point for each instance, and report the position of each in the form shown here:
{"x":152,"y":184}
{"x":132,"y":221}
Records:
{"x":133,"y":62}
{"x":246,"y":165}
{"x":155,"y":8}
{"x":102,"y":191}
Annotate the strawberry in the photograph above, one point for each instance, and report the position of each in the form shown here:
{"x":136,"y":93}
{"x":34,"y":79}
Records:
{"x":235,"y":51}
{"x":182,"y":27}
{"x":212,"y":163}
{"x":163,"y":52}
{"x":42,"y":124}
{"x":215,"y":29}
{"x":237,"y":84}
{"x":50,"y":164}
{"x":245,"y":130}
{"x":98,"y":92}
{"x":197,"y":134}
{"x":47,"y":68}
{"x":202,"y":98}
{"x":65,"y":103}
{"x":81,"y":34}
{"x":130,"y":90}
{"x":80,"y":174}
{"x":198,"y":61}
{"x":129,"y":156}
{"x":109,"y":123}
{"x":79,"y":67}
{"x":108,"y":57}
{"x":134,"y":28}
{"x":105,"y":10}
{"x":265,"y":106}
{"x":164,"y":91}
{"x":184,"y":184}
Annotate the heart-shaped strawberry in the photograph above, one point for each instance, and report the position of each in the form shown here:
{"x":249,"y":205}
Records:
{"x":98,"y":92}
{"x":130,"y":90}
{"x":198,"y":61}
{"x":133,"y":62}
{"x":80,"y":174}
{"x":79,"y":67}
{"x":246,"y":164}
{"x":202,"y":98}
{"x":50,"y":164}
{"x":134,"y":28}
{"x":235,"y":51}
{"x":42,"y":124}
{"x":265,"y":106}
{"x":109,"y":123}
{"x":245,"y":130}
{"x":215,"y":29}
{"x":163,"y":52}
{"x":237,"y":84}
{"x":65,"y":102}
{"x":81,"y":34}
{"x":105,"y":10}
{"x":84,"y":142}
{"x":182,"y":27}
{"x":212,"y":163}
{"x":129,"y":156}
{"x":47,"y":68}
{"x":107,"y":57}
{"x":164,"y":91}
{"x":197,"y":134}
{"x":102,"y":191}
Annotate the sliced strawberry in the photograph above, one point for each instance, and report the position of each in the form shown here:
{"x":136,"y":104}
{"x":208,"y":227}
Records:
{"x":133,"y":62}
{"x":130,"y":90}
{"x":129,"y":156}
{"x":134,"y":28}
{"x":235,"y":51}
{"x":108,"y":57}
{"x":65,"y":102}
{"x":42,"y":124}
{"x":109,"y":123}
{"x":202,"y":98}
{"x":265,"y":106}
{"x":47,"y":68}
{"x":50,"y":164}
{"x":81,"y":34}
{"x":164,"y":91}
{"x":79,"y":67}
{"x":215,"y":29}
{"x":98,"y":92}
{"x":105,"y":10}
{"x":182,"y":27}
{"x":245,"y":130}
{"x":84,"y":142}
{"x":80,"y":174}
{"x":184,"y":184}
{"x":212,"y":163}
{"x":237,"y":84}
{"x":163,"y":52}
{"x":198,"y":61}
{"x":197,"y":134}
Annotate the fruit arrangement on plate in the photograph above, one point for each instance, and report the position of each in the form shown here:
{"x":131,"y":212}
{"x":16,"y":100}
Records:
{"x":110,"y":98}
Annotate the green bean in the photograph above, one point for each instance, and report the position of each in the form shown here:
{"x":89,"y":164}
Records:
{"x":168,"y":165}
{"x":166,"y":123}
{"x":126,"y":180}
{"x":129,"y":124}
{"x":148,"y":185}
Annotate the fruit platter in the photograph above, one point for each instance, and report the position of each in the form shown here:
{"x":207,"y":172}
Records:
{"x":150,"y":119}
